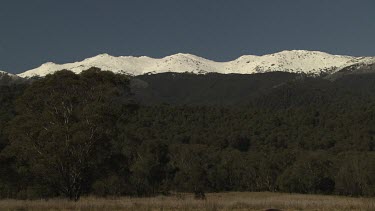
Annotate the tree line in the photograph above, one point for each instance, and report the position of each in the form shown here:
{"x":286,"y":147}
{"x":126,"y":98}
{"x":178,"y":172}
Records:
{"x":84,"y":134}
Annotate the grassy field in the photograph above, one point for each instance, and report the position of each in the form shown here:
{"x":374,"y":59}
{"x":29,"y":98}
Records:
{"x":214,"y":201}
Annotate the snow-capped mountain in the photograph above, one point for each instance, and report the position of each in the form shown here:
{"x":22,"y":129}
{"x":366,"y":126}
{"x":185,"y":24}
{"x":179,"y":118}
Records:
{"x":296,"y":61}
{"x":3,"y":73}
{"x":8,"y":78}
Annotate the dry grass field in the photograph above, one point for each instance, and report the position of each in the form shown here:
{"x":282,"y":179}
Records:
{"x":214,"y":201}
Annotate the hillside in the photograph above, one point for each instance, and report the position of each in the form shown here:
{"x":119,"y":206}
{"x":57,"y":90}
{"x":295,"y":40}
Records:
{"x":208,"y":89}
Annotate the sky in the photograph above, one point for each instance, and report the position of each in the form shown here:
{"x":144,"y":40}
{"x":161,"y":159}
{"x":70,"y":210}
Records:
{"x":39,"y":31}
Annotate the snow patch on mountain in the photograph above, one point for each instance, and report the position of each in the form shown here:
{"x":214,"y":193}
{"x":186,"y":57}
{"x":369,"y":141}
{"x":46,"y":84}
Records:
{"x":296,"y":61}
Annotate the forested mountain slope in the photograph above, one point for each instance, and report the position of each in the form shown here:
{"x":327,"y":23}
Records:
{"x":187,"y":133}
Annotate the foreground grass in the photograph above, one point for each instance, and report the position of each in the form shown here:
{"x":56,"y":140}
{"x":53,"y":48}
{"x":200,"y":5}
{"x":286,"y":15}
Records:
{"x":214,"y":201}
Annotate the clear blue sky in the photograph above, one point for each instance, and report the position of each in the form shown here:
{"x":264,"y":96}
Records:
{"x":36,"y":31}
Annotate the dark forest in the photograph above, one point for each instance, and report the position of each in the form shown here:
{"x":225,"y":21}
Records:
{"x":98,"y":133}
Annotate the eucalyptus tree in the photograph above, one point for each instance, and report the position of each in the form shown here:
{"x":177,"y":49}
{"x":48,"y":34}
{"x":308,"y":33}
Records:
{"x":64,"y":126}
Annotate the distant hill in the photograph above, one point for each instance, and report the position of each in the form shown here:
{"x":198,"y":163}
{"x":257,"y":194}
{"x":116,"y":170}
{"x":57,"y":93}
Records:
{"x":209,"y":89}
{"x":273,"y":90}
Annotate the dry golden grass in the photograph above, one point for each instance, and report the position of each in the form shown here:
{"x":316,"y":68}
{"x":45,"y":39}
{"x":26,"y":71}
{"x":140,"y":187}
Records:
{"x":215,"y":201}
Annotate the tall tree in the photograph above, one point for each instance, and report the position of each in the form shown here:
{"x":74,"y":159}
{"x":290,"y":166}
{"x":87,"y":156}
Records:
{"x":65,"y":124}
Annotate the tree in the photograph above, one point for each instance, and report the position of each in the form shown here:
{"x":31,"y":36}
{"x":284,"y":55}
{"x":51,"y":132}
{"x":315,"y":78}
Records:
{"x":151,"y":169}
{"x":311,"y":174}
{"x":355,"y":176}
{"x":192,"y":164}
{"x":64,"y":125}
{"x":9,"y":177}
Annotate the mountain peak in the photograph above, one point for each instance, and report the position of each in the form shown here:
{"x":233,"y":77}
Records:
{"x":48,"y":64}
{"x":103,"y":55}
{"x":296,"y":51}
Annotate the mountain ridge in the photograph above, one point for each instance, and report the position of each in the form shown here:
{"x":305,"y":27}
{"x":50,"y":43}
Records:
{"x":293,"y":61}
